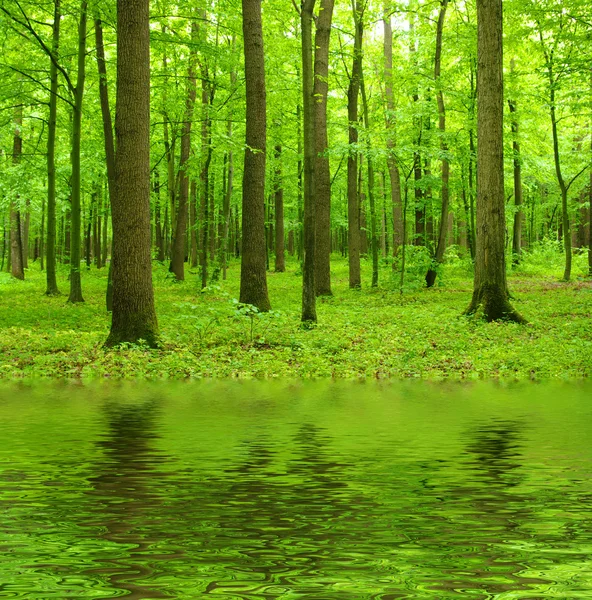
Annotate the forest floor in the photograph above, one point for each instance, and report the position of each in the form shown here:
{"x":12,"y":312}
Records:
{"x":370,"y":333}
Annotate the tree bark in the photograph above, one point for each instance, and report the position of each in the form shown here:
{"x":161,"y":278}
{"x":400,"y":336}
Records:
{"x":322,"y":175}
{"x":490,"y":295}
{"x":309,"y":311}
{"x":16,"y":242}
{"x":253,"y":287}
{"x":445,"y":197}
{"x":371,"y":196}
{"x":75,"y":237}
{"x":180,"y":239}
{"x":393,"y":168}
{"x":353,"y":205}
{"x":518,"y":215}
{"x":280,"y":252}
{"x":134,"y":316}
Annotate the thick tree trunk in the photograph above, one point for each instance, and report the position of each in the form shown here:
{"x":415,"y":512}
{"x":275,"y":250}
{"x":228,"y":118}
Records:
{"x":322,"y":175}
{"x":353,"y":205}
{"x":180,"y":239}
{"x":134,"y":316}
{"x":75,"y":234}
{"x":280,"y":252}
{"x":490,"y":295}
{"x":253,"y":287}
{"x":445,"y":195}
{"x":393,"y":168}
{"x":16,"y":241}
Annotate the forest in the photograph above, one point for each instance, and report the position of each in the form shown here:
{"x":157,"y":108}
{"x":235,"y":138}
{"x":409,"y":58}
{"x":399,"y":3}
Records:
{"x":296,"y":189}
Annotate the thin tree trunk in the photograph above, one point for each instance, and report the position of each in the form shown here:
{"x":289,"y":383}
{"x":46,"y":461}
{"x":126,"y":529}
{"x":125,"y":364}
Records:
{"x":309,"y":310}
{"x":445,"y":195}
{"x":179,"y":243}
{"x":518,"y":214}
{"x":227,"y":191}
{"x":16,"y":242}
{"x":76,"y":216}
{"x":300,"y":167}
{"x":158,"y":218}
{"x":253,"y":287}
{"x":134,"y":316}
{"x":353,"y":206}
{"x":393,"y":168}
{"x":322,"y":175}
{"x":193,"y":223}
{"x":490,"y":295}
{"x":280,"y":258}
{"x":371,"y":196}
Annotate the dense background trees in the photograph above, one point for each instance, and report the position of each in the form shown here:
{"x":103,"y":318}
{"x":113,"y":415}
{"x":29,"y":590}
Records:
{"x":397,"y":165}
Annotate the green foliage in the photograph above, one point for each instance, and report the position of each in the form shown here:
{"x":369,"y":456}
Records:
{"x":368,"y":333}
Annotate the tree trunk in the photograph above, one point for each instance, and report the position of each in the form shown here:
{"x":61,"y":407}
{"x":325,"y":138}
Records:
{"x":158,"y":219}
{"x":322,"y":175}
{"x":445,"y":197}
{"x":393,"y":168}
{"x":309,"y":310}
{"x":590,"y":222}
{"x":205,"y":182}
{"x":490,"y":295}
{"x":134,"y":316}
{"x":371,"y":197}
{"x":16,"y":241}
{"x":193,"y":224}
{"x":228,"y":189}
{"x":253,"y":287}
{"x":280,"y":258}
{"x":75,"y":237}
{"x":180,"y":239}
{"x":109,"y":146}
{"x":518,"y":215}
{"x":353,"y":206}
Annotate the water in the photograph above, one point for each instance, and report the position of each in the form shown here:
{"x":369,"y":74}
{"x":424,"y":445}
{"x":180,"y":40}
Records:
{"x":318,"y":491}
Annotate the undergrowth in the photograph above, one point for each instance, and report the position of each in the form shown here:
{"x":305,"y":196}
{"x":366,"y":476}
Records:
{"x":370,"y":333}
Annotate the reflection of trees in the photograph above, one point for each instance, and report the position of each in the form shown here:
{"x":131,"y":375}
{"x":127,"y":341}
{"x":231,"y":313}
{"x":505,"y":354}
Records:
{"x":287,"y":523}
{"x":126,"y":497}
{"x":479,"y":544}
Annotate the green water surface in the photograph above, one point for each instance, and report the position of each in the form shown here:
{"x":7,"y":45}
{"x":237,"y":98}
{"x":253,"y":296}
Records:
{"x":318,"y":491}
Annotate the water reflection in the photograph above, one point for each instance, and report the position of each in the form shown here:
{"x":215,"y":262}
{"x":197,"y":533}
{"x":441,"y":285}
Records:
{"x":126,"y":499}
{"x":360,"y":499}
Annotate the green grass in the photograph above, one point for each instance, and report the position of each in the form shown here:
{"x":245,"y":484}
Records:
{"x":371,"y":333}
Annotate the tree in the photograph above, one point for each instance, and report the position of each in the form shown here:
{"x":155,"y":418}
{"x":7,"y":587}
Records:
{"x":134,"y":316}
{"x":16,"y":241}
{"x":50,"y":273}
{"x":179,"y":242}
{"x":322,"y":176}
{"x":309,"y":309}
{"x":518,"y":214}
{"x":393,"y":167}
{"x":280,"y":259}
{"x":353,"y":207}
{"x":253,"y":286}
{"x":490,"y":292}
{"x":78,"y":92}
{"x":441,"y":246}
